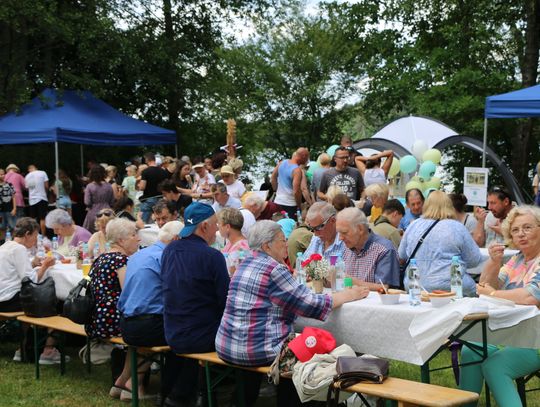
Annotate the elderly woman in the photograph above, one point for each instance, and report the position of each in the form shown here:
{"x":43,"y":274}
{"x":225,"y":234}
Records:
{"x":518,"y":280}
{"x":97,"y":196}
{"x":263,"y":301}
{"x":69,"y":234}
{"x":107,"y":277}
{"x":230,"y":222}
{"x":103,"y":217}
{"x":14,"y":266}
{"x":446,"y":239}
{"x":378,"y":196}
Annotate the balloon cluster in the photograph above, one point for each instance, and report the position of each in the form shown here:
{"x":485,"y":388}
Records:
{"x":425,"y":179}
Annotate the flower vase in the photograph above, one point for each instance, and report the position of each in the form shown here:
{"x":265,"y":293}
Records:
{"x":317,"y":286}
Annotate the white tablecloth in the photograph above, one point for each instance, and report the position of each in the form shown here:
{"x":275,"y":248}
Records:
{"x":65,"y":276}
{"x":413,"y":334}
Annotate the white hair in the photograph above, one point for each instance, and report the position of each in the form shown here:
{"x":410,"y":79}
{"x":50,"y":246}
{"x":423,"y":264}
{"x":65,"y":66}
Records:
{"x":169,"y":231}
{"x":323,"y":209}
{"x":353,"y":216}
{"x":58,"y":217}
{"x":119,"y":229}
{"x":254,"y":200}
{"x":264,"y":231}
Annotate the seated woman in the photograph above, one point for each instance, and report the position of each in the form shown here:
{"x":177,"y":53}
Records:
{"x":69,"y":234}
{"x":263,"y":301}
{"x":378,"y":196}
{"x":15,"y":264}
{"x":103,"y":217}
{"x":141,"y":305}
{"x":460,"y":201}
{"x":448,"y":238}
{"x":230,"y":222}
{"x":518,"y":280}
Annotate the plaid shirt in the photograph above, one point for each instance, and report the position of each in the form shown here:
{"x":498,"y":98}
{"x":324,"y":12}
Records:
{"x":263,"y":302}
{"x":376,"y":260}
{"x":317,"y":246}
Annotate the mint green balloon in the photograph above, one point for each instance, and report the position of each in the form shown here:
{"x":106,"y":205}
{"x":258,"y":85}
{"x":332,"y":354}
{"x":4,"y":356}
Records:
{"x":313,"y":165}
{"x":427,"y":170}
{"x":332,"y":150}
{"x":434,"y":182}
{"x":407,"y":164}
{"x":432,"y":155}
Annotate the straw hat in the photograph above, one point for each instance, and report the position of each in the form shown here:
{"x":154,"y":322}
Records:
{"x":13,"y":167}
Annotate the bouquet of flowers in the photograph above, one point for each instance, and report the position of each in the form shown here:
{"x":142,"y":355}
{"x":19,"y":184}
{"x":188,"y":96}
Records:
{"x":316,"y":267}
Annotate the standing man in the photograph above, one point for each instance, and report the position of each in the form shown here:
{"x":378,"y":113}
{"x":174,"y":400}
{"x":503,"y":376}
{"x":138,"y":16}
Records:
{"x":201,"y":188}
{"x":151,"y":177}
{"x":368,"y":258}
{"x":488,"y":227}
{"x":37,"y":183}
{"x":415,"y":204}
{"x":14,"y":177}
{"x":286,"y":181}
{"x":348,"y":179}
{"x":195,"y":285}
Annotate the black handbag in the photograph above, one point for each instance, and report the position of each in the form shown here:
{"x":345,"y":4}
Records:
{"x":351,"y":370}
{"x":38,"y":299}
{"x":78,"y":307}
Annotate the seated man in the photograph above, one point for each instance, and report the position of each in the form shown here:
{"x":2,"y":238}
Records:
{"x":222,"y":199}
{"x":387,"y":224}
{"x":415,"y":202}
{"x":261,"y":209}
{"x":488,"y":228}
{"x":321,"y":220}
{"x":368,"y":257}
{"x":163,"y":211}
{"x":195,"y":284}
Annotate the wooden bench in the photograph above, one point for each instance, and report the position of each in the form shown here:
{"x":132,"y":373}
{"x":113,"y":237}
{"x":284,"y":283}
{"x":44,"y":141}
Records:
{"x":407,"y":393}
{"x":60,"y":324}
{"x":4,"y":316}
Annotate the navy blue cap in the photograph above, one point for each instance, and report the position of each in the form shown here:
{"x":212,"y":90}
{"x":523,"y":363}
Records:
{"x":194,"y":214}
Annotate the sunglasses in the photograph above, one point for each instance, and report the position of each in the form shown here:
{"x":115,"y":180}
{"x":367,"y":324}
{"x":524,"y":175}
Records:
{"x":99,"y":215}
{"x":500,"y":190}
{"x":321,"y":226}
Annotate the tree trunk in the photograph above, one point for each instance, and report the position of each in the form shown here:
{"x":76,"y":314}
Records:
{"x":529,"y":70}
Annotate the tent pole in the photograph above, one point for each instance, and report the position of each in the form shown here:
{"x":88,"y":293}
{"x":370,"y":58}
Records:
{"x":56,"y":159}
{"x":485,"y":143}
{"x":82,"y":161}
{"x":176,"y":151}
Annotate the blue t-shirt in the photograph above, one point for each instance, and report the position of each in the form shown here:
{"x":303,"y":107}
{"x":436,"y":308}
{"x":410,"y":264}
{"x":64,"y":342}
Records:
{"x":142,"y":293}
{"x":407,"y":219}
{"x":195,"y":285}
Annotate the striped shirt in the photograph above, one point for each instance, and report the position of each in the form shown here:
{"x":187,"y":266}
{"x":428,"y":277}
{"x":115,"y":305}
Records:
{"x":317,"y":246}
{"x":376,"y":260}
{"x":263,"y":302}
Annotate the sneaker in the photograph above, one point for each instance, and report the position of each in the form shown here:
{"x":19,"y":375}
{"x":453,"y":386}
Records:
{"x":17,"y":356}
{"x":52,"y":358}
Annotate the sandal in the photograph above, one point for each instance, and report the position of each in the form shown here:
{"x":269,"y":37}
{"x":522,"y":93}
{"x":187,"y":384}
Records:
{"x":116,"y":391}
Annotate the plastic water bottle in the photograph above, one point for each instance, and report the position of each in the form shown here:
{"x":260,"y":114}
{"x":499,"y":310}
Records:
{"x":299,"y":216}
{"x":95,"y":253}
{"x":414,"y":284}
{"x":54,"y":246}
{"x":300,"y":275}
{"x":107,"y":247}
{"x":456,"y":284}
{"x":8,"y":236}
{"x":340,"y":274}
{"x":40,"y":249}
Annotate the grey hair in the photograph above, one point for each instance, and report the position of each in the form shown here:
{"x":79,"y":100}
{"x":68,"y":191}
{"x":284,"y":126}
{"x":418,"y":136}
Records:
{"x":353,"y":216}
{"x":170,"y":230}
{"x":323,"y":209}
{"x":264,"y":231}
{"x":25,"y":226}
{"x":58,"y":217}
{"x":254,"y":200}
{"x":118,"y":229}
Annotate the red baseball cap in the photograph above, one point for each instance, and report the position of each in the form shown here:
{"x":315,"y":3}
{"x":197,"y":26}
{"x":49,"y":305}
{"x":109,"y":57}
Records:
{"x":312,"y":341}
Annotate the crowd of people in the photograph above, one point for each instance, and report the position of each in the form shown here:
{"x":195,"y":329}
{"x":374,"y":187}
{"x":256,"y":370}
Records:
{"x":187,"y":257}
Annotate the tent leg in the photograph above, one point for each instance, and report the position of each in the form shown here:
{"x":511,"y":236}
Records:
{"x":56,"y":159}
{"x":82,"y":161}
{"x":484,"y":143}
{"x":176,"y":151}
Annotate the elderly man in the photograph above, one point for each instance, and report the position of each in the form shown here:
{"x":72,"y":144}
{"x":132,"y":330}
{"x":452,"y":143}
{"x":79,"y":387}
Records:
{"x":321,"y":220}
{"x":415,"y":203}
{"x":287,"y":182}
{"x":348,"y":179}
{"x":261,"y":209}
{"x":488,"y":228}
{"x":195,"y":284}
{"x":387,"y":224}
{"x":222,"y":199}
{"x":368,"y":258}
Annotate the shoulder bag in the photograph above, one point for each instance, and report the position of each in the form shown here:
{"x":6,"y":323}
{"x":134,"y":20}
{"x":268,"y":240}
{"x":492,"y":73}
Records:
{"x":79,"y":307}
{"x":38,"y":299}
{"x":352,"y":370}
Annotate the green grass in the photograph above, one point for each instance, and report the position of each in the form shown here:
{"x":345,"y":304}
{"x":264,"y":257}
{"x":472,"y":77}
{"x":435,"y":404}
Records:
{"x":77,"y":388}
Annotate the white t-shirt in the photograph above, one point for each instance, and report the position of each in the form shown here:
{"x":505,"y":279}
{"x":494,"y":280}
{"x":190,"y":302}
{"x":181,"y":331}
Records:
{"x":14,"y":266}
{"x":236,"y":189}
{"x":35,"y":182}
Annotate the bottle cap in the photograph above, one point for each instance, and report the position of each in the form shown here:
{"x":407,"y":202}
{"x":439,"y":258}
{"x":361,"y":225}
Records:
{"x":412,"y":262}
{"x":455,"y":259}
{"x":347,"y":282}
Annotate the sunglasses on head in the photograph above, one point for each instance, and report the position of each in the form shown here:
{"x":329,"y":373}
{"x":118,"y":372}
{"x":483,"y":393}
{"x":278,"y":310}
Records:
{"x":321,"y":226}
{"x":99,"y":215}
{"x":501,"y":191}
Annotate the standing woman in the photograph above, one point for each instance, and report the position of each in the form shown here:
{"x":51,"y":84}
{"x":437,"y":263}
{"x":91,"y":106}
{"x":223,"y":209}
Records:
{"x":111,"y":176}
{"x":97,"y":195}
{"x":62,"y":189}
{"x":370,"y":167}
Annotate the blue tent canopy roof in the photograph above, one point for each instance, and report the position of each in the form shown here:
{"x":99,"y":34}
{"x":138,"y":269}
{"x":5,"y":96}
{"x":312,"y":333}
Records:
{"x":77,"y":117}
{"x":519,"y":103}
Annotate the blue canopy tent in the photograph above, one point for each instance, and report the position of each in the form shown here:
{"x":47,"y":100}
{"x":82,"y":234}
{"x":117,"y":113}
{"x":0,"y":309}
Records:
{"x":77,"y":117}
{"x":517,"y":104}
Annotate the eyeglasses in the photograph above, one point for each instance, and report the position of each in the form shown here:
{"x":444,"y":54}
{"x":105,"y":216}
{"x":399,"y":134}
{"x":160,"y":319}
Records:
{"x":345,"y":157}
{"x":321,"y":226}
{"x":109,"y":214}
{"x":526,"y":229}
